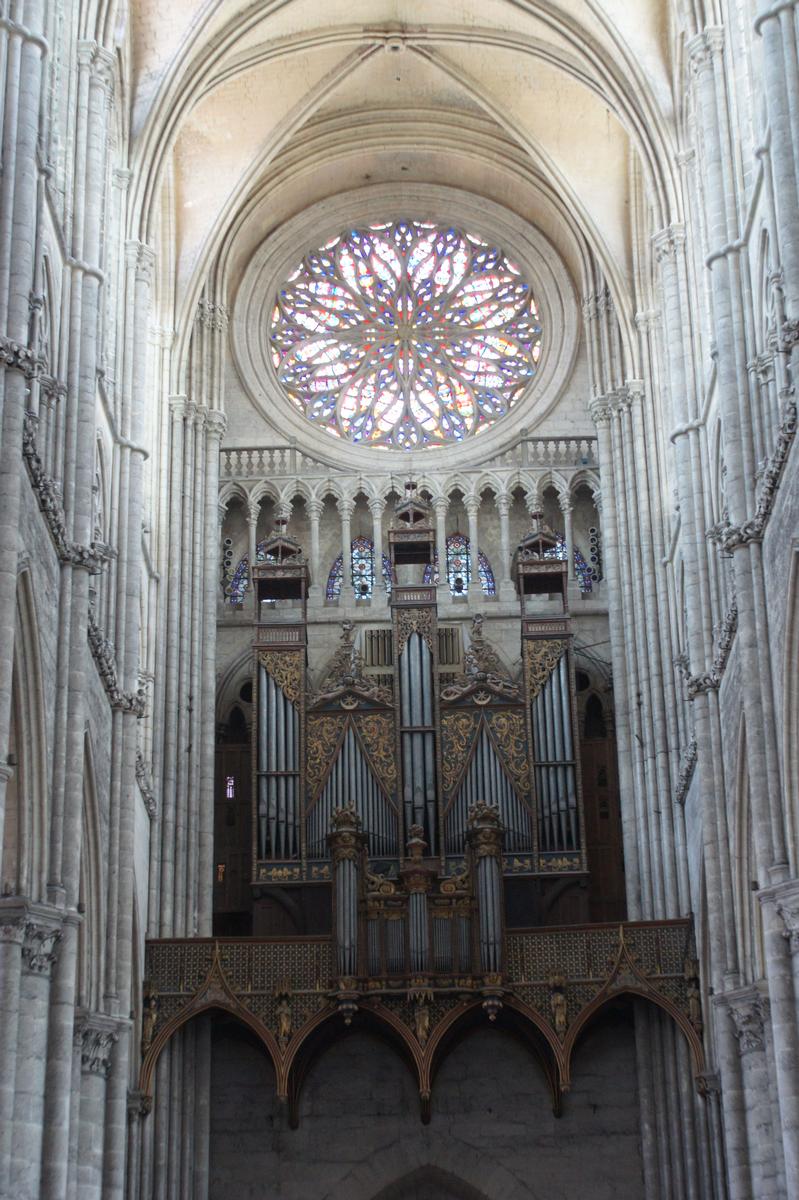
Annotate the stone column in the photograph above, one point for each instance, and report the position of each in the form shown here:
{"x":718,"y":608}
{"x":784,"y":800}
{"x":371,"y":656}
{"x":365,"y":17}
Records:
{"x":441,"y":508}
{"x":485,"y":843}
{"x":39,"y":948}
{"x":377,"y":506}
{"x":472,"y":506}
{"x":346,"y":847}
{"x":95,"y":1036}
{"x":22,"y":49}
{"x":346,"y":508}
{"x":316,"y":593}
{"x":253,"y":510}
{"x":776,"y":24}
{"x":507,"y":591}
{"x":566,"y":507}
{"x":748,"y":1010}
{"x":12,"y":935}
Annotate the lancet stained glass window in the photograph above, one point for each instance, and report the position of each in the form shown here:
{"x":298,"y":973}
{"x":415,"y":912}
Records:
{"x":240,"y":579}
{"x":405,"y":334}
{"x":583,"y":570}
{"x":459,"y":567}
{"x":363,"y":571}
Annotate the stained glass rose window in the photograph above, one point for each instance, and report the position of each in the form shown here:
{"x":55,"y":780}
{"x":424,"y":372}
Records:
{"x":405,"y":334}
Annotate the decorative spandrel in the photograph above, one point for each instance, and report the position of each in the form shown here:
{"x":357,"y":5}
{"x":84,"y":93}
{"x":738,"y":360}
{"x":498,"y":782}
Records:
{"x":405,"y":334}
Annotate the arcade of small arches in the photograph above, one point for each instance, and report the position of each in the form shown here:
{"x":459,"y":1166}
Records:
{"x":495,"y":513}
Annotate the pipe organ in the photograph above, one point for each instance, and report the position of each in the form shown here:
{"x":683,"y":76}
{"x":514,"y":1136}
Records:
{"x":413,"y":749}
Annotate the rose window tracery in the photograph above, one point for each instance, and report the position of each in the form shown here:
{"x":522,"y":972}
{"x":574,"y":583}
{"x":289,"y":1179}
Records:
{"x":405,"y":334}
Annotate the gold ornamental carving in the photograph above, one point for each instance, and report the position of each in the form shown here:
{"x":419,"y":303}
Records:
{"x":414,"y":620}
{"x":507,"y":727}
{"x":540,"y":659}
{"x":325,"y":731}
{"x":458,"y":733}
{"x":376,"y":731}
{"x":285,"y":667}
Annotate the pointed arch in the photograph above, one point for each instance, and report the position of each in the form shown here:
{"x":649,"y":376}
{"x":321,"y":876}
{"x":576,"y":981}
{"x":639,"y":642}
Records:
{"x":91,"y":956}
{"x":590,"y":1011}
{"x":447,"y":1186}
{"x":25,"y":832}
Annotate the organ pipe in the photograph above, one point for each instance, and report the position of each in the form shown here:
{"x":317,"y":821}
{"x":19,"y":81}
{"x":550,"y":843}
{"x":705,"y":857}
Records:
{"x":278,"y":770}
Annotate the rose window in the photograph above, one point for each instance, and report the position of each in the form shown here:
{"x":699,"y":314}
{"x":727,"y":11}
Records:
{"x":405,"y":334}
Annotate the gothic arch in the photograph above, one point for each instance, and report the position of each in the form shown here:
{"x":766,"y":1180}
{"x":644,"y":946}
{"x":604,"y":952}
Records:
{"x":319,"y":1034}
{"x":790,"y":723}
{"x":91,"y":957}
{"x":211,"y":1001}
{"x":514,"y":1018}
{"x":589,"y":1013}
{"x":25,"y":852}
{"x":430,"y":1183}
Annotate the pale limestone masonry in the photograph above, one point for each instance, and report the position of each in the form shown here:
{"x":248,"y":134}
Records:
{"x":163,"y":165}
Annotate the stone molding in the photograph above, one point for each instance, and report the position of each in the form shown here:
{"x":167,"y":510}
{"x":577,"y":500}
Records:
{"x":785,"y":897}
{"x":710,"y":681}
{"x":732,"y":537}
{"x":105,"y":661}
{"x":687,"y":767}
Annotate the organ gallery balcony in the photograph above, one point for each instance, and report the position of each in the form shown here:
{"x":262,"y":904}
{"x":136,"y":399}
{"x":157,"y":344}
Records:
{"x":547,"y":986}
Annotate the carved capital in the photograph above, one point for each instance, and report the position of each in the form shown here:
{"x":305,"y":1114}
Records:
{"x":667,"y":242}
{"x":704,"y":48}
{"x":40,"y":946}
{"x":95,"y":1037}
{"x":748,"y":1011}
{"x":599,"y":409}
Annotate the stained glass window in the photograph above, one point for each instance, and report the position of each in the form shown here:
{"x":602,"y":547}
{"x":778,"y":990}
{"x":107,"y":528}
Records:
{"x":405,"y":334}
{"x":240,"y":579}
{"x":584,"y":572}
{"x":363,"y":571}
{"x":459,"y":567}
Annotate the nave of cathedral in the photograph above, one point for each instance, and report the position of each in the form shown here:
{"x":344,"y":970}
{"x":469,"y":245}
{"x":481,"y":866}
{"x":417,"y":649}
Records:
{"x":399,"y":600}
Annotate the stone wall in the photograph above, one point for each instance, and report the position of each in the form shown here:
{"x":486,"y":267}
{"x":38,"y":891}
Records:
{"x":492,"y":1126}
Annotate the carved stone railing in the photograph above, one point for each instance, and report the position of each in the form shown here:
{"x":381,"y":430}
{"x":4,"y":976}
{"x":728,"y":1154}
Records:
{"x":553,"y":982}
{"x":270,"y":462}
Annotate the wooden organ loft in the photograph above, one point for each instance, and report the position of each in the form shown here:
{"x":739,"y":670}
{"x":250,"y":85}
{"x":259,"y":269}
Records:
{"x":419,"y":848}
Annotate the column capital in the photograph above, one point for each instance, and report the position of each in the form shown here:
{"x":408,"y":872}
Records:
{"x":376,"y":505}
{"x":700,"y":51}
{"x":95,"y":1037}
{"x":472,"y":504}
{"x":667,"y":241}
{"x":215,"y":423}
{"x":503,"y":502}
{"x":140,"y":258}
{"x":40,"y":945}
{"x":599,"y":408}
{"x":440,"y":505}
{"x":785,"y":898}
{"x":314,"y":508}
{"x":748,"y":1009}
{"x":253,"y":512}
{"x":565,"y":502}
{"x":345,"y":506}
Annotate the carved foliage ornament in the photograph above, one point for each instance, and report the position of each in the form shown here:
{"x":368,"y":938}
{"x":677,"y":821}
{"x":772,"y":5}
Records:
{"x":414,"y":620}
{"x":325,"y":732}
{"x":508,"y":731}
{"x":376,"y":732}
{"x":540,"y":659}
{"x":458,"y":732}
{"x":285,"y":667}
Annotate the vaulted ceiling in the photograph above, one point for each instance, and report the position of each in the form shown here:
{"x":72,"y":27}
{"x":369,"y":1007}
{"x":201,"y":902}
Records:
{"x":243,"y":114}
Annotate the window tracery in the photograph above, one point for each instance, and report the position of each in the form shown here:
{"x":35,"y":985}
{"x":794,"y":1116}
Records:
{"x":363,"y":571}
{"x":459,"y":567}
{"x":405,"y":334}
